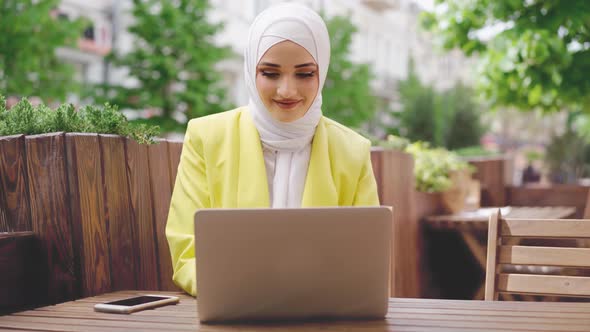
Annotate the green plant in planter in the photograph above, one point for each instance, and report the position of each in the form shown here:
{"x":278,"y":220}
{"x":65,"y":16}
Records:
{"x":433,"y":167}
{"x":24,"y":118}
{"x":395,"y":142}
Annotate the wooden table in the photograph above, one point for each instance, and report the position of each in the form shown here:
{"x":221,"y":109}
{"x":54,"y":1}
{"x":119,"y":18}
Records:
{"x":473,"y":227}
{"x":404,"y":315}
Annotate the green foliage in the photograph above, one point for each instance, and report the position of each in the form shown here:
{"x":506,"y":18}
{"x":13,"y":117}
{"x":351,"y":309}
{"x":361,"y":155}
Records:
{"x":29,"y":36}
{"x":475,"y":151}
{"x":173,"y":59}
{"x":539,"y":59}
{"x":347,"y":95}
{"x":567,"y":157}
{"x":433,"y":167}
{"x":533,"y":155}
{"x":450,"y":118}
{"x":418,"y":116}
{"x":461,"y":118}
{"x":394,"y":142}
{"x":24,"y":118}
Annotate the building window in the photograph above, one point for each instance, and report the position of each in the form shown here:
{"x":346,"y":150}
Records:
{"x":89,"y":33}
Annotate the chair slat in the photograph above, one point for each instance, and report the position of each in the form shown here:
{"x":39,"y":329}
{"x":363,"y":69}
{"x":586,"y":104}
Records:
{"x":554,"y":256}
{"x":568,"y":228}
{"x":544,"y":284}
{"x":489,"y":294}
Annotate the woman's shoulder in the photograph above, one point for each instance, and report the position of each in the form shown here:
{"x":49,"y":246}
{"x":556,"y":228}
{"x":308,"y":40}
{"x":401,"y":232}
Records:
{"x":217,"y":118}
{"x":214,"y":123}
{"x":343,"y":134}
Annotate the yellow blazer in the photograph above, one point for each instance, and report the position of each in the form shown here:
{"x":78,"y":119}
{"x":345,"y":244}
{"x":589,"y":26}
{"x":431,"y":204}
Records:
{"x":222,"y":166}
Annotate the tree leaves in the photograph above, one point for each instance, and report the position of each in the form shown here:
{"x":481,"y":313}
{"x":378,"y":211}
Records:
{"x":347,"y":95}
{"x":174,"y":59}
{"x":29,"y":37}
{"x":537,"y":58}
{"x":449,"y":118}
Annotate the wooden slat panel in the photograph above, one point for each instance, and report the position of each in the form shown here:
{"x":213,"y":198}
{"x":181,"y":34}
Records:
{"x":490,"y":312}
{"x":162,"y":192}
{"x":63,"y":326}
{"x":544,"y":284}
{"x":105,"y":324}
{"x":91,"y":227}
{"x":14,"y":200}
{"x":540,"y":212}
{"x":490,"y":173}
{"x":174,"y":152}
{"x":574,"y":228}
{"x":554,"y":256}
{"x":141,"y":202}
{"x":551,"y":195}
{"x":50,"y":218}
{"x":119,"y":213}
{"x":490,"y":284}
{"x":377,"y":164}
{"x":122,"y":318}
{"x":398,"y":189}
{"x":19,"y":261}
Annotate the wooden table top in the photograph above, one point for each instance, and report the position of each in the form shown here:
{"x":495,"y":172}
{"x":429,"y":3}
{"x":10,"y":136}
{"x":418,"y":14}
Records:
{"x":480,"y":216}
{"x":404,"y":315}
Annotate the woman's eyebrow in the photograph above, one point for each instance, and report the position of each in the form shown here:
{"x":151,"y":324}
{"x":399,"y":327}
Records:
{"x":270,"y":64}
{"x":306,"y":65}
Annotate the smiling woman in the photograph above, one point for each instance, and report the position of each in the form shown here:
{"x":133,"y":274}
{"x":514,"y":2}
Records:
{"x":279,"y":151}
{"x":287,"y":81}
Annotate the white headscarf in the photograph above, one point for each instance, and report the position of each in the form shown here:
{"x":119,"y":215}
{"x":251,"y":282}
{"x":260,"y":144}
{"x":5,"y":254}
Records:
{"x":291,"y":140}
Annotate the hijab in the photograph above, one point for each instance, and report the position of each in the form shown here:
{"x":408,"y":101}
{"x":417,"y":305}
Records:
{"x":290,"y":140}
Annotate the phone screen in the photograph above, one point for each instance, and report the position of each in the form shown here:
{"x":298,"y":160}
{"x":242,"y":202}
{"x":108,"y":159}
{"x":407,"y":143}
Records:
{"x":136,"y":300}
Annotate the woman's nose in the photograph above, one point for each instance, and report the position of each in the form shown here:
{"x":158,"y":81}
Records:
{"x":287,"y":88}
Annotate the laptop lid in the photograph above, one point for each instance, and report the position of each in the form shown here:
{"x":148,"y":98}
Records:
{"x":272,"y":264}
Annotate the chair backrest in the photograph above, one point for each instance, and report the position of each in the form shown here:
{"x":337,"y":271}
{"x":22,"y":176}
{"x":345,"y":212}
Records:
{"x":503,"y":233}
{"x":587,"y":208}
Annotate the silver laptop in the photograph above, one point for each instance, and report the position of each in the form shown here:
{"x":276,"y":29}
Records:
{"x":287,"y":264}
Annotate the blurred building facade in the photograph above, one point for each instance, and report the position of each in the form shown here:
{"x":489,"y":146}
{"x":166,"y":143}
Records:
{"x":388,"y":35}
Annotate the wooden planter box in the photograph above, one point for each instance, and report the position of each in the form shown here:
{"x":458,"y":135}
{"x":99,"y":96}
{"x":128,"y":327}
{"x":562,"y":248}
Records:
{"x":97,"y":205}
{"x":490,"y":172}
{"x":394,"y":171}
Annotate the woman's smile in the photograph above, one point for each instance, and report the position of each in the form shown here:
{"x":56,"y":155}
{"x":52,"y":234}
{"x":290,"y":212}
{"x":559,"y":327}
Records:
{"x":287,"y":104}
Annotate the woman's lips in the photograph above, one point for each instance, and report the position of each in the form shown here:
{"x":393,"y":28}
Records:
{"x":287,"y":104}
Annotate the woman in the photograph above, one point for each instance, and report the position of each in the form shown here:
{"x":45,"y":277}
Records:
{"x":279,"y":151}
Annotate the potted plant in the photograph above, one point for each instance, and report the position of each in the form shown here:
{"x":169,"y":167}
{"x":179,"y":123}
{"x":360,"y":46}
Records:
{"x":437,"y":170}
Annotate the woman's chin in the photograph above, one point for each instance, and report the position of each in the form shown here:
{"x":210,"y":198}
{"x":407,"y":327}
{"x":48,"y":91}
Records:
{"x":286,"y":115}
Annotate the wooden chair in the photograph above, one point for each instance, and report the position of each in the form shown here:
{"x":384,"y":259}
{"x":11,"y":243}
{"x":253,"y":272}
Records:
{"x":502,"y":250}
{"x":587,"y":208}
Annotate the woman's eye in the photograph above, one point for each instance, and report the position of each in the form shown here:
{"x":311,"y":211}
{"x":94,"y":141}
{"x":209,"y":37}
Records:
{"x":269,"y":74}
{"x":306,"y":74}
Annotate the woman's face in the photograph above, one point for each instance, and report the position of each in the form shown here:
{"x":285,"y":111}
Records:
{"x":287,"y":81}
